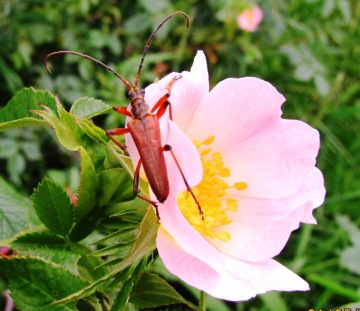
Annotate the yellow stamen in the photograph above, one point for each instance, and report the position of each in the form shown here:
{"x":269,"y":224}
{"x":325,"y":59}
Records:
{"x":212,"y":195}
{"x":209,"y":140}
{"x":240,"y":185}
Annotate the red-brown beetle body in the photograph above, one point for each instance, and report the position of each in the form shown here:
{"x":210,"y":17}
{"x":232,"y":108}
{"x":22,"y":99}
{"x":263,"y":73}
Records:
{"x":146,"y":133}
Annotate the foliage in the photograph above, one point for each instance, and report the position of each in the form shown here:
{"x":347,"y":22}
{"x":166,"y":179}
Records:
{"x":306,"y":48}
{"x":67,"y":267}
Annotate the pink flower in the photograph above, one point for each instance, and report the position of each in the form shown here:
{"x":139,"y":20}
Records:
{"x":253,"y":173}
{"x":249,"y":19}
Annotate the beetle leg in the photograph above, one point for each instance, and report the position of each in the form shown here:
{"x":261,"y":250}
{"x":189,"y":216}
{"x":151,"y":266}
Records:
{"x":122,"y":110}
{"x":136,"y":190}
{"x":169,"y":148}
{"x":118,"y":131}
{"x":163,"y":108}
{"x":163,"y":102}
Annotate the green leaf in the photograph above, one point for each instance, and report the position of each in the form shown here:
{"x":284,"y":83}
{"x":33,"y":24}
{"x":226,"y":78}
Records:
{"x":8,"y":148}
{"x":114,"y":44}
{"x":352,"y":230}
{"x":63,"y":257}
{"x":119,"y":235}
{"x":85,"y":292}
{"x":128,"y":278}
{"x":322,"y":85}
{"x":96,"y":38}
{"x":127,"y":164}
{"x":14,"y":211}
{"x":349,"y":256}
{"x":66,"y":129}
{"x":86,"y":107}
{"x":122,"y":297}
{"x":16,"y":167}
{"x":136,"y":24}
{"x":113,"y":250}
{"x":152,"y":291}
{"x":38,"y":240}
{"x":328,"y":8}
{"x":48,"y":246}
{"x":145,"y":241}
{"x":113,"y":262}
{"x":36,"y":283}
{"x":53,"y":207}
{"x":156,"y":7}
{"x":85,"y":225}
{"x":31,"y":150}
{"x":12,"y":79}
{"x":345,"y":10}
{"x":94,"y":132}
{"x":143,"y":246}
{"x":88,"y":185}
{"x":115,"y":185}
{"x":90,"y":270}
{"x":18,"y":113}
{"x":75,"y":133}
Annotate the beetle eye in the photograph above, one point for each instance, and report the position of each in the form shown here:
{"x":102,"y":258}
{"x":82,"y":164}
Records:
{"x":128,"y":94}
{"x":142,"y":91}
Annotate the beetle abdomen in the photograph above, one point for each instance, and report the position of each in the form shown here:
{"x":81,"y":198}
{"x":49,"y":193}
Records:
{"x":147,"y":137}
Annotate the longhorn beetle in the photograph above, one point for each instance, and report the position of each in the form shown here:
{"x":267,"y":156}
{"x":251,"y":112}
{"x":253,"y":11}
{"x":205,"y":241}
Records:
{"x":144,"y":129}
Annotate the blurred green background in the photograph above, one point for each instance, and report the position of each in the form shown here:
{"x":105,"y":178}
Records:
{"x":308,"y":49}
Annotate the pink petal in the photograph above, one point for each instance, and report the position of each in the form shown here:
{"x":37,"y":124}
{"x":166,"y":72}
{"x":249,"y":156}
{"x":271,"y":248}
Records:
{"x":235,"y":110}
{"x":186,"y":154}
{"x":190,"y":269}
{"x":187,"y":92}
{"x":261,"y":228}
{"x":235,"y":280}
{"x":244,"y":280}
{"x":316,"y":195}
{"x":275,"y":161}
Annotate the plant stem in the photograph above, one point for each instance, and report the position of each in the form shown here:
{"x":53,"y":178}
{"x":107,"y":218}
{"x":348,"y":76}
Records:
{"x":202,"y":301}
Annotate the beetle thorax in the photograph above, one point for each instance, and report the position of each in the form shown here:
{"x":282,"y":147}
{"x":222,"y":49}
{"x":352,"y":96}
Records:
{"x":139,"y":108}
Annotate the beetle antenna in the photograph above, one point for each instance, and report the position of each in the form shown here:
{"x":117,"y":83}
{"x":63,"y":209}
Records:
{"x":128,"y":85}
{"x":147,"y":46}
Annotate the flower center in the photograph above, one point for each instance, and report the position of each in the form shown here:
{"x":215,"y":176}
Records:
{"x":212,"y":195}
